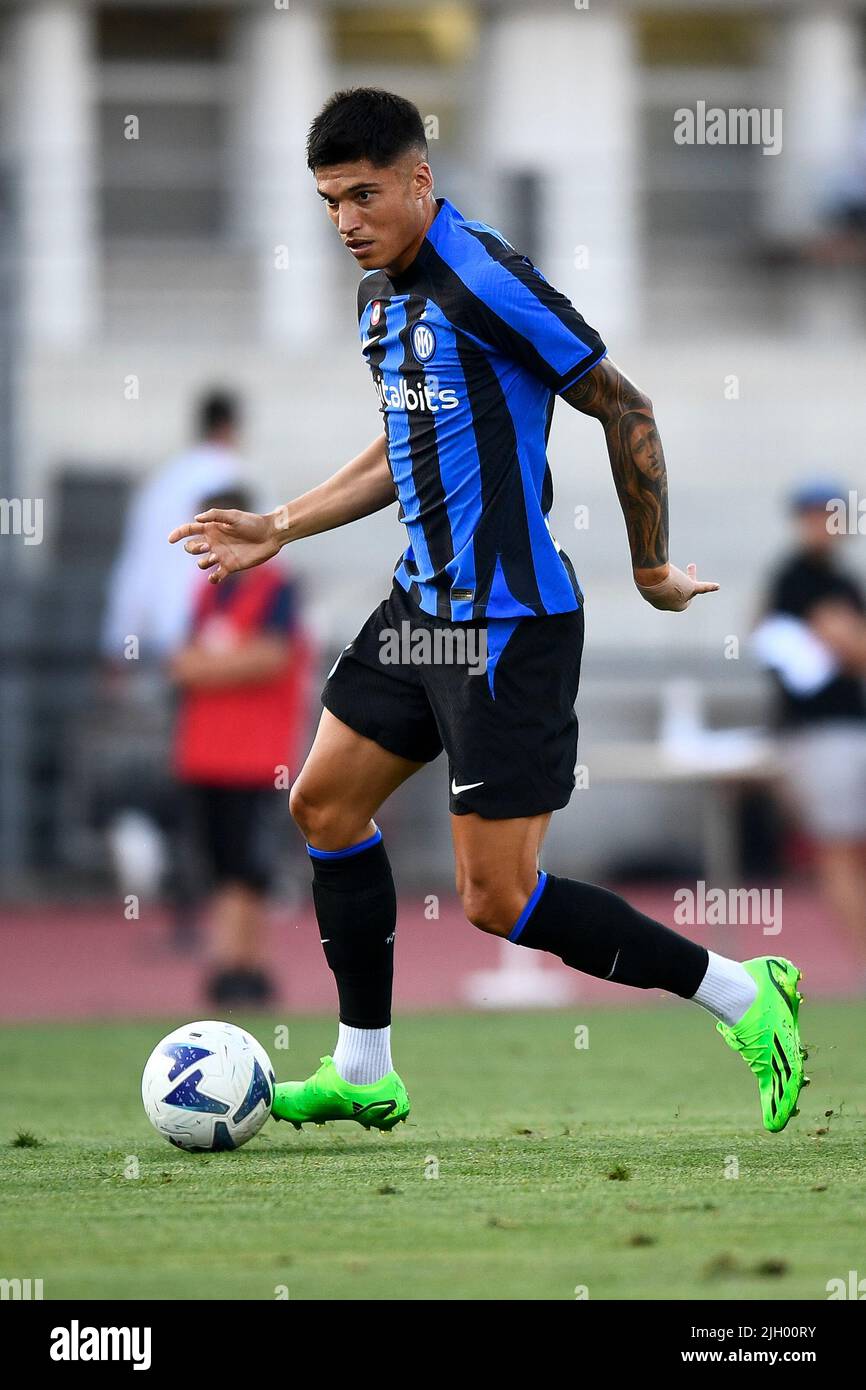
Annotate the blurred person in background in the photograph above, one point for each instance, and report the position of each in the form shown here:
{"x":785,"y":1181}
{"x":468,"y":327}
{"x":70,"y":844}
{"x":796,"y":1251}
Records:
{"x":241,"y":676}
{"x":148,"y":610}
{"x":813,"y":638}
{"x":148,"y":598}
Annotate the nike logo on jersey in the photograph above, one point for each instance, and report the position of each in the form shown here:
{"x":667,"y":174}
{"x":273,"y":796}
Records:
{"x":466,"y":787}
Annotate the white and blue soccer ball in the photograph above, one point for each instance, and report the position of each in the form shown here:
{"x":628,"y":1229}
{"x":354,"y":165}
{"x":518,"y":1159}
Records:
{"x":208,"y":1086}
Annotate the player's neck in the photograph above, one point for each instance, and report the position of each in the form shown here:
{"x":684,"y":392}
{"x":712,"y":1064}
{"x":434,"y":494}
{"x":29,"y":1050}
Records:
{"x":406,"y":257}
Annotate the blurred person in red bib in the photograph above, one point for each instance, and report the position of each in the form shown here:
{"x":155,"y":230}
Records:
{"x":242,"y":676}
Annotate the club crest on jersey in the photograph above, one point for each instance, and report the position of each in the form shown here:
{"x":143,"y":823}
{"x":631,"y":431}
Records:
{"x":375,"y":312}
{"x":423,"y":341}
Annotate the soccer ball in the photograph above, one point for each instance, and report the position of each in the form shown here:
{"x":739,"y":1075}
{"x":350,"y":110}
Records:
{"x":208,"y":1086}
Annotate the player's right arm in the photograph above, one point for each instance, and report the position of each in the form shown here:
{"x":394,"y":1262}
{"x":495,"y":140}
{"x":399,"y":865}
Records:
{"x":227,"y":541}
{"x":638,"y":467}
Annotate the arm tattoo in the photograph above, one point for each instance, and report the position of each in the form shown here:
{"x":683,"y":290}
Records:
{"x":636,"y":457}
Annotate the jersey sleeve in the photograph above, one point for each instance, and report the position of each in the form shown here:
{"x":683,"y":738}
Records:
{"x":529,"y":321}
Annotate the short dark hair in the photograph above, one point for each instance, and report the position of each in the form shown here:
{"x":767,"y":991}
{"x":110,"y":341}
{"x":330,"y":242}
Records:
{"x":216,"y":410}
{"x":365,"y":123}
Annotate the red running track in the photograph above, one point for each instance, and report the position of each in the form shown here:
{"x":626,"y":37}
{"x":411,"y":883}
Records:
{"x":88,"y":961}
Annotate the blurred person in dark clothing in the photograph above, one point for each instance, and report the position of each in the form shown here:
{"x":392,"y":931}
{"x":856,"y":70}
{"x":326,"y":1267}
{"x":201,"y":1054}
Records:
{"x":241,"y":677}
{"x":813,"y":637}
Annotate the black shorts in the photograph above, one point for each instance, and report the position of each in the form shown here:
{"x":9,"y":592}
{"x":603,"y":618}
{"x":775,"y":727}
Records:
{"x":238,"y":832}
{"x":496,"y":693}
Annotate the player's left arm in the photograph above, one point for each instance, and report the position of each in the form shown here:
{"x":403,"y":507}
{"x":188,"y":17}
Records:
{"x":640,"y":476}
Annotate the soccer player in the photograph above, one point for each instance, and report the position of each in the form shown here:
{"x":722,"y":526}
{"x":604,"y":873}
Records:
{"x":469,"y":346}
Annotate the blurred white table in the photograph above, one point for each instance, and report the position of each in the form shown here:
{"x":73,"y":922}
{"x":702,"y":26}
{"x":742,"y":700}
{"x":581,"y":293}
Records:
{"x":722,"y":762}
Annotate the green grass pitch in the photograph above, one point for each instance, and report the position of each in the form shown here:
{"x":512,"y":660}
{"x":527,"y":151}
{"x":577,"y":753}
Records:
{"x":559,"y":1168}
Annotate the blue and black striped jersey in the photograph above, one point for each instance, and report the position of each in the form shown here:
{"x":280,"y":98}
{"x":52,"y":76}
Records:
{"x":468,"y":348}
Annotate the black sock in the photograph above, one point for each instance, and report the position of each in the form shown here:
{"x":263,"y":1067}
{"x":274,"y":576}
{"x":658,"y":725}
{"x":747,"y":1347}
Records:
{"x":596,"y":931}
{"x":356,"y":908}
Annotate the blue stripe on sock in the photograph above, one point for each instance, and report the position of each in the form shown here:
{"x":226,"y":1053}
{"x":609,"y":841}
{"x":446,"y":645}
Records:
{"x":514,"y":934}
{"x":344,"y":853}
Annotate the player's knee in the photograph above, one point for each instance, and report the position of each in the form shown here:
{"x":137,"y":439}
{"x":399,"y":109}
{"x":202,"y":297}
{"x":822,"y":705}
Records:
{"x":322,"y":818}
{"x":488,"y":908}
{"x":311,"y":813}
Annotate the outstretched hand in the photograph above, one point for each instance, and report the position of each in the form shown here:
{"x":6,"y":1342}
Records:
{"x":228,"y":541}
{"x":675,"y":592}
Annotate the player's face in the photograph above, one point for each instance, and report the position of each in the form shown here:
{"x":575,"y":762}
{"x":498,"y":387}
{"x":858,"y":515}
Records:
{"x":646,"y":448}
{"x":380,"y":214}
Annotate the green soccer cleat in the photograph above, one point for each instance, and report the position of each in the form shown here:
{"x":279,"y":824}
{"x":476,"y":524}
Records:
{"x":326,"y":1096}
{"x":768,"y":1037}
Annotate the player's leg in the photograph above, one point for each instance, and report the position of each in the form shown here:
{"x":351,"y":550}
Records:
{"x":344,"y":781}
{"x":376,"y":730}
{"x":497,"y":873}
{"x":512,"y":742}
{"x":504,"y":892}
{"x":599,"y":933}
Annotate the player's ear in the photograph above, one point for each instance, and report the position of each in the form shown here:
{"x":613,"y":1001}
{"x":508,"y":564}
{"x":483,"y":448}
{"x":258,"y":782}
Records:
{"x":422,"y":180}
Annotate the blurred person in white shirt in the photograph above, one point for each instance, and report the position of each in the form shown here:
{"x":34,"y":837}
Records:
{"x":150,"y":594}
